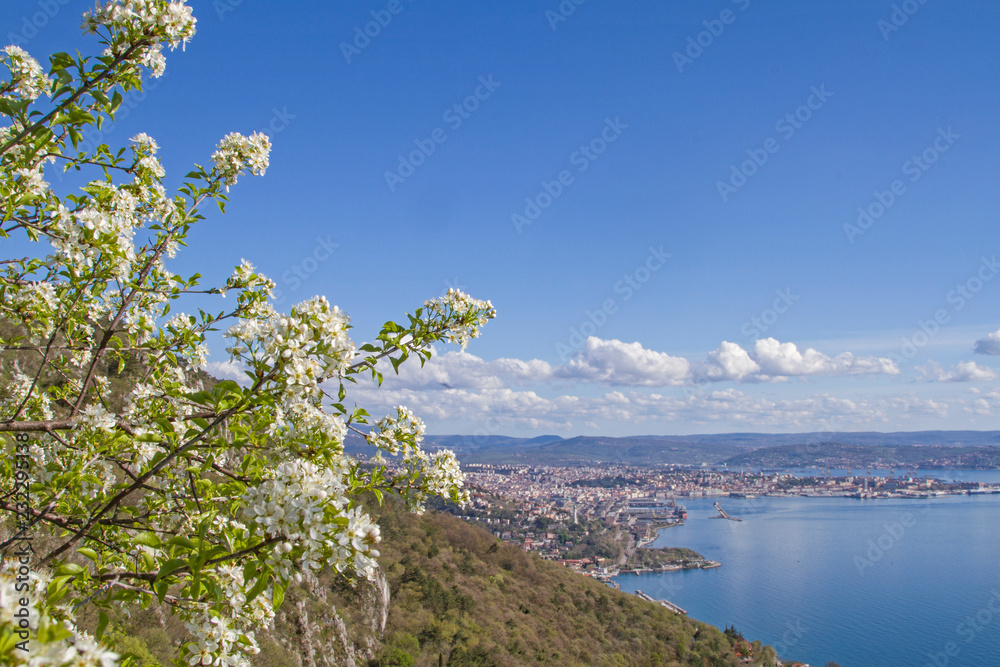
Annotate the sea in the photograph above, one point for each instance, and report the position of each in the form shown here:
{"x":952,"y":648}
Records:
{"x":884,"y":583}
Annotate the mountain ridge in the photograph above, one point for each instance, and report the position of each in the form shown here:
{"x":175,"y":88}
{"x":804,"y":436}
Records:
{"x":696,"y":449}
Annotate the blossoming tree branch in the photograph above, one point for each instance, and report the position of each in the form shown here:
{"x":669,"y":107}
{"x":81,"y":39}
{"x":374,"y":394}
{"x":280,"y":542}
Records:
{"x":206,"y":497}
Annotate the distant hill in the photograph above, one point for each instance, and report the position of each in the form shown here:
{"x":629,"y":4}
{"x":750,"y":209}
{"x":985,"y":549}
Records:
{"x":839,"y":455}
{"x":708,"y":449}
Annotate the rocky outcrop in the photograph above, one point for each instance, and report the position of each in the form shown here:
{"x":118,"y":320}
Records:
{"x":330,"y":622}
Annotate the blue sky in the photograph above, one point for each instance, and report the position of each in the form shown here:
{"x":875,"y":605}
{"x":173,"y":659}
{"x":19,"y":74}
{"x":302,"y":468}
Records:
{"x":694,"y":167}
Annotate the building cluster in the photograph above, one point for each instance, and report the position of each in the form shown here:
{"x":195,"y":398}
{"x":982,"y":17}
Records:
{"x":558,"y":512}
{"x":615,"y":492}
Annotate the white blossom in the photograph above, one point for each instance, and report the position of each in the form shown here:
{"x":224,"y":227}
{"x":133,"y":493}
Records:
{"x":237,"y":153}
{"x":471,"y":315}
{"x":77,"y":650}
{"x":173,"y":23}
{"x":26,"y":74}
{"x":97,"y":418}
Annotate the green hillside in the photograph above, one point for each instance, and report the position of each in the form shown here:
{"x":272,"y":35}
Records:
{"x":460,"y":597}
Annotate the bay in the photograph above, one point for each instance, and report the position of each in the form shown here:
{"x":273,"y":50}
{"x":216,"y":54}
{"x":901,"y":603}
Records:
{"x":860,"y":582}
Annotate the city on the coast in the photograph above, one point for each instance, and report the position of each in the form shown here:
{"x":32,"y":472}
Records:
{"x":599,"y":520}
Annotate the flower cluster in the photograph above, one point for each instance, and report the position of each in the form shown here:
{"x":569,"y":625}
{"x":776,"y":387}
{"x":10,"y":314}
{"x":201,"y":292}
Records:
{"x":464,"y":314}
{"x":258,"y":612}
{"x":222,"y":480}
{"x":77,"y":650}
{"x":216,"y":643}
{"x":33,"y":304}
{"x":96,"y":418}
{"x":306,"y":421}
{"x":145,"y":144}
{"x":442,"y":474}
{"x":439,"y":472}
{"x":168,"y":22}
{"x":28,"y":80}
{"x":237,"y":153}
{"x":404,"y":432}
{"x":354,"y":545}
{"x":310,"y":345}
{"x":298,"y":504}
{"x":16,"y":393}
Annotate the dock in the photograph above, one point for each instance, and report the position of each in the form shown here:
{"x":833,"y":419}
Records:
{"x":666,"y":603}
{"x":723,"y":515}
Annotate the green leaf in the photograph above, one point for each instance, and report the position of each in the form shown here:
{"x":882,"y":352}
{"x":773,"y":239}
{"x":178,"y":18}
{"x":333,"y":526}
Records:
{"x":148,"y":539}
{"x":279,"y":595}
{"x":171,"y":565}
{"x":202,"y":397}
{"x":258,"y":587}
{"x":181,"y":542}
{"x":89,"y":553}
{"x":102,"y":623}
{"x":69,"y":568}
{"x":229,"y":387}
{"x":57,"y":588}
{"x":161,"y":588}
{"x":61,"y":60}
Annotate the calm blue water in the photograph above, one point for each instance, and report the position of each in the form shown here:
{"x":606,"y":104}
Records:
{"x":885,"y":583}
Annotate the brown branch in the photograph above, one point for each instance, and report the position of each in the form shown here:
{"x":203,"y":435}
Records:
{"x":121,"y":495}
{"x":83,"y":90}
{"x":150,"y":576}
{"x":70,"y":424}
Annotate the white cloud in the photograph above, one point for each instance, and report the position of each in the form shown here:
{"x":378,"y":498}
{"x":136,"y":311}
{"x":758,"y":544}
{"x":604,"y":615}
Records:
{"x":463,"y":370}
{"x":990,"y":344}
{"x":729,"y":362}
{"x":228,"y":370}
{"x":462,"y":391}
{"x":964,"y":371}
{"x":616,"y":363}
{"x":506,"y":411}
{"x":785,"y":359}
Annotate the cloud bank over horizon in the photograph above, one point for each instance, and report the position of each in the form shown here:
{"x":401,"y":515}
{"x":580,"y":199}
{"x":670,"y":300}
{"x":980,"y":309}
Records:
{"x":609,"y":383}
